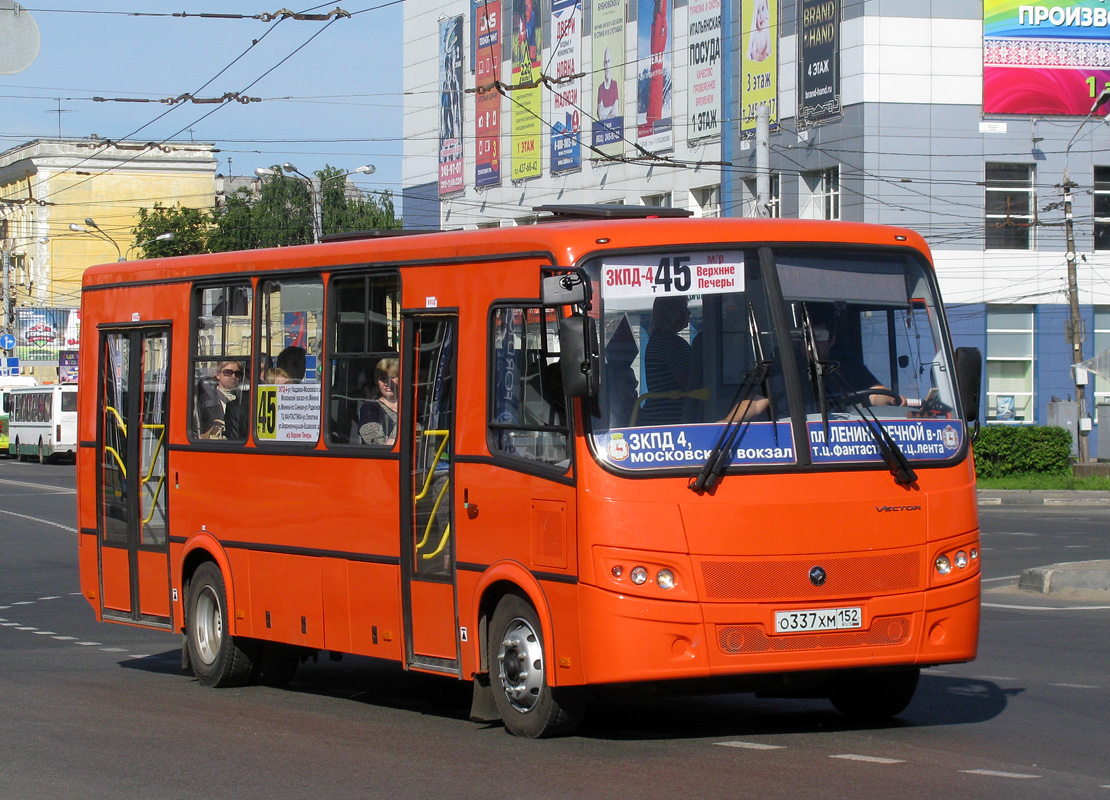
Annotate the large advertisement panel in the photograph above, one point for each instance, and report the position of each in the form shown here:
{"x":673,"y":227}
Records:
{"x":654,"y":73}
{"x":759,"y":63}
{"x":608,"y":83}
{"x":1045,"y":59}
{"x":527,"y":49}
{"x":487,"y":100}
{"x":41,"y":334}
{"x":451,"y":177}
{"x":566,"y":116}
{"x":703,"y":71}
{"x":818,"y":61}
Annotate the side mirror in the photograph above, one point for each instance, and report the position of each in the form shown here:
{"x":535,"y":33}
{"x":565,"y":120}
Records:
{"x":570,"y":289}
{"x":969,"y":373}
{"x":578,"y":356}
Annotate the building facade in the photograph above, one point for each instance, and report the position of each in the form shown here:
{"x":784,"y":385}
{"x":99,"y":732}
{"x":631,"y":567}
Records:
{"x":49,"y":185}
{"x":963,"y":121}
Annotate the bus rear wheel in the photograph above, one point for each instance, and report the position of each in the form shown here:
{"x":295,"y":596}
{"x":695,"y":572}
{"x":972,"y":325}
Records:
{"x":19,"y":454}
{"x":528,"y":705}
{"x":218,"y":659}
{"x":42,"y":452}
{"x":873,"y":697}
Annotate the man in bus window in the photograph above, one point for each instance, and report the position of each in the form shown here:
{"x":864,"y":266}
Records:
{"x":290,"y":365}
{"x":851,"y":374}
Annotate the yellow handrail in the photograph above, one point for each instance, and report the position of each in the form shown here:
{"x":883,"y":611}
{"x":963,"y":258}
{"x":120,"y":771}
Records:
{"x":431,"y":518}
{"x":431,"y":472}
{"x":119,"y":420}
{"x":115,"y":455}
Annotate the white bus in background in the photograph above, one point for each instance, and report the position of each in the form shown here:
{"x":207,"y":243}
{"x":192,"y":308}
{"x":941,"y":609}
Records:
{"x":42,"y":422}
{"x":7,"y":383}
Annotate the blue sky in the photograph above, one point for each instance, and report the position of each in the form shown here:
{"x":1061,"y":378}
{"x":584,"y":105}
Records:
{"x":333,"y":100}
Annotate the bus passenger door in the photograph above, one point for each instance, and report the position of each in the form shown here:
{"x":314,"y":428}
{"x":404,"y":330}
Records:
{"x":427,"y":541}
{"x":131,"y":443}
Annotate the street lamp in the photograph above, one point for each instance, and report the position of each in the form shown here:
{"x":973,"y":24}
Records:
{"x":1081,"y":448}
{"x":73,"y":226}
{"x":162,"y":237}
{"x":315,"y":189}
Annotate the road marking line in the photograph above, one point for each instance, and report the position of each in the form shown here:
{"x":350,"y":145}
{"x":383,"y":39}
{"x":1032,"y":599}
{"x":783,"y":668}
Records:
{"x":1075,"y":686}
{"x":23,"y":603}
{"x":66,"y":638}
{"x":1047,"y":608}
{"x":88,"y":644}
{"x":9,"y":624}
{"x":869,"y":759}
{"x":55,"y":489}
{"x":114,"y":649}
{"x":994,"y":678}
{"x":45,"y":633}
{"x":751,"y":745}
{"x":26,"y":628}
{"x":52,"y":597}
{"x":996,"y":774}
{"x":38,"y":519}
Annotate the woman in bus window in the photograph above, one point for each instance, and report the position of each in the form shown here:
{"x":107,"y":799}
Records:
{"x":213,"y":396}
{"x":377,"y":419}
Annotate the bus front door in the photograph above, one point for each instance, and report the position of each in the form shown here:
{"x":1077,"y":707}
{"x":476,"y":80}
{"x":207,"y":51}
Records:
{"x":427,"y":542}
{"x":131,"y":443}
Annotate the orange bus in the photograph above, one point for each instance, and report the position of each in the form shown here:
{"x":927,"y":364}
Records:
{"x":713,"y":454}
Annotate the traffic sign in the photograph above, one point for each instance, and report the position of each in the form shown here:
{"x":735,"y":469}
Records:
{"x":7,"y":342}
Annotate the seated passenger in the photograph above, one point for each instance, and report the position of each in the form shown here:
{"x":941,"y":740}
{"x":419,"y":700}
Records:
{"x":666,"y":360}
{"x":213,"y":396}
{"x":290,"y":365}
{"x":377,"y":419}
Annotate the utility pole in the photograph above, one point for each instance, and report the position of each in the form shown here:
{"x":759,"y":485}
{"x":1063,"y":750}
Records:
{"x":762,"y":160}
{"x":1075,"y":324}
{"x":9,"y":308}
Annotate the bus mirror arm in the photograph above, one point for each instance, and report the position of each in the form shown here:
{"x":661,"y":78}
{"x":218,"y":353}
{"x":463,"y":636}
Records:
{"x":567,"y":289}
{"x":579,"y":362}
{"x":969,"y":373}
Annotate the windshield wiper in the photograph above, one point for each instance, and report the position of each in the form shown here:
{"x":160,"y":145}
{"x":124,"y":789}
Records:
{"x":892,"y":454}
{"x":721,"y":453}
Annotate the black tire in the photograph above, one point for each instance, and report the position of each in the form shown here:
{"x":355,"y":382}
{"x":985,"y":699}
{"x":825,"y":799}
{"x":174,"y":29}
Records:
{"x":277,"y":663}
{"x":518,"y":657}
{"x":218,"y":659}
{"x":874,"y":697}
{"x":19,"y":451}
{"x":42,"y":454}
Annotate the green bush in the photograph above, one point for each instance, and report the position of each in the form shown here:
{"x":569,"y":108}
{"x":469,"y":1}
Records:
{"x":1011,"y":450}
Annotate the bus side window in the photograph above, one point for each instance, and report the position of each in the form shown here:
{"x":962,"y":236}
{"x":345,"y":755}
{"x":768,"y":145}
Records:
{"x":529,"y":410}
{"x":221,"y":359}
{"x":364,"y":336}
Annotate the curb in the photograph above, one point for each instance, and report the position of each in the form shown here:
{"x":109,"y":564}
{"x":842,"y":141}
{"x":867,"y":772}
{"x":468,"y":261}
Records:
{"x":1076,"y":577}
{"x":1021,"y":497}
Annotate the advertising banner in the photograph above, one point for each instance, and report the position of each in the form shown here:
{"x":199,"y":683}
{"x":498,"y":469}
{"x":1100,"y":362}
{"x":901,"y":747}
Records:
{"x":703,"y":72}
{"x":527,"y":102}
{"x":608,"y":83}
{"x":42,"y":333}
{"x":818,"y":61}
{"x":654,"y":73}
{"x":451,"y":177}
{"x":487,"y":100}
{"x":759,"y":63}
{"x":1045,"y":59}
{"x":566,"y":97}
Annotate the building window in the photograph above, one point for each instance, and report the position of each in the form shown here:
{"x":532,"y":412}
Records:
{"x":658,"y":200}
{"x":820,"y":195}
{"x":1102,"y":344}
{"x":751,"y":200}
{"x":1011,"y":204}
{"x":707,"y":201}
{"x":1010,"y":364}
{"x":1102,"y":208}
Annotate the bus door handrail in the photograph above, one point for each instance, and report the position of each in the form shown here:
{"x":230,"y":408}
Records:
{"x":439,"y":454}
{"x":154,"y":460}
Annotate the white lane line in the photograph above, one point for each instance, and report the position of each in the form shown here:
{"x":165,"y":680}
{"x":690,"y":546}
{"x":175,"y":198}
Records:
{"x":996,"y":774}
{"x":869,"y":759}
{"x":66,"y":638}
{"x":1075,"y":686}
{"x":45,"y":633}
{"x":88,"y":644}
{"x":9,"y":624}
{"x":26,"y":628}
{"x":995,"y":678}
{"x":114,"y":649}
{"x":52,"y":597}
{"x":1046,"y":608}
{"x":40,"y":520}
{"x":1007,"y":578}
{"x":52,"y":489}
{"x":751,"y":745}
{"x":23,"y":603}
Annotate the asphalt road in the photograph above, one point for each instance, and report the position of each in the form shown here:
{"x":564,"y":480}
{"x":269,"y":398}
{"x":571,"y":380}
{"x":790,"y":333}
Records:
{"x":104,"y":711}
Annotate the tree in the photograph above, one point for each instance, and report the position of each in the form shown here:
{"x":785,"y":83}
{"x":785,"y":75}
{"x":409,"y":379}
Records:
{"x":278,"y":215}
{"x":190,"y":228}
{"x":343,"y":211}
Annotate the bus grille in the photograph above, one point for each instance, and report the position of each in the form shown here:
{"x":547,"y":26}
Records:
{"x":739,"y":639}
{"x":847,"y":576}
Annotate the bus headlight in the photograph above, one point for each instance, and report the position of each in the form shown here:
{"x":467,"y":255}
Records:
{"x":638,"y":576}
{"x":943,"y":565}
{"x":961,"y":559}
{"x":664,"y":579}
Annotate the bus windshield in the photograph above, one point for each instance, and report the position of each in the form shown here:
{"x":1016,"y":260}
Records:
{"x":783,"y":356}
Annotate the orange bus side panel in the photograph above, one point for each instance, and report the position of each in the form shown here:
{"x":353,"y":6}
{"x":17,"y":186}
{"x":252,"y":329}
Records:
{"x":154,"y":583}
{"x":86,"y":558}
{"x":117,"y":593}
{"x":433,"y":615}
{"x":337,"y":613}
{"x":375,"y":602}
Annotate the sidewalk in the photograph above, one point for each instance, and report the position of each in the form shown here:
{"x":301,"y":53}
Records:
{"x":1022,"y":497}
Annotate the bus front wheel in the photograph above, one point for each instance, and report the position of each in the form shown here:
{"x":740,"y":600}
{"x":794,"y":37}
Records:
{"x":19,"y":454}
{"x":42,"y":452}
{"x":218,"y":659}
{"x":528,"y":705}
{"x":873,"y":697}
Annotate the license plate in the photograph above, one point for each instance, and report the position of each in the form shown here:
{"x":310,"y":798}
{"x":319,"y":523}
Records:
{"x":820,"y":619}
